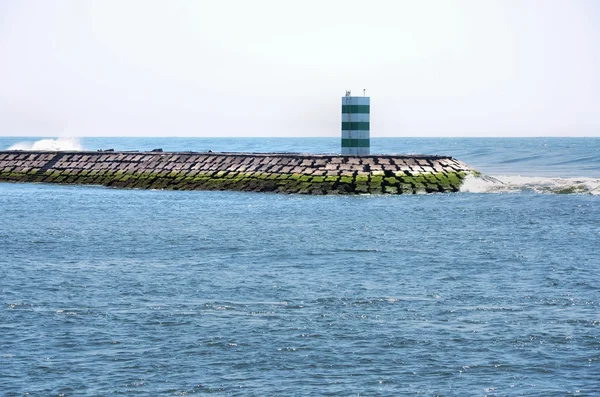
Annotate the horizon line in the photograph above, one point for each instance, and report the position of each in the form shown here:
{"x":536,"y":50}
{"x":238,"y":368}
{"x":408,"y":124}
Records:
{"x":295,"y":137}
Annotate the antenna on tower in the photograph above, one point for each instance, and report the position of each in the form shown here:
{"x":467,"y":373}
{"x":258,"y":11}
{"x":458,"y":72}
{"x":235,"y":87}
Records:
{"x":364,"y":92}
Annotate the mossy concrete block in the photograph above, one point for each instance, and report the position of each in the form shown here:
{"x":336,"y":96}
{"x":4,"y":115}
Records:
{"x":454,"y":179}
{"x":70,"y":179}
{"x":361,"y":188}
{"x":347,"y":180}
{"x":361,"y":179}
{"x":391,"y":181}
{"x":269,"y":186}
{"x":101,"y":180}
{"x":406,"y":188}
{"x":18,"y":177}
{"x":431,"y":178}
{"x":419,"y":188}
{"x":375,"y":188}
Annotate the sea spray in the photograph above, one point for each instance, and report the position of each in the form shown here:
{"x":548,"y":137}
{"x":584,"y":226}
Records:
{"x":519,"y":184}
{"x":59,"y":144}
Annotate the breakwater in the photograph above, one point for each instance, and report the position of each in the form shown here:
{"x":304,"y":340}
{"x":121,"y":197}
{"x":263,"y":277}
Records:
{"x":260,"y":172}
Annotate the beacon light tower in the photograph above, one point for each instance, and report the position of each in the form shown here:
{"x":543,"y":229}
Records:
{"x":356,"y":138}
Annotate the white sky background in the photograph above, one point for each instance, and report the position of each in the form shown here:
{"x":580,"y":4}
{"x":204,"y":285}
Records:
{"x":279,"y":68}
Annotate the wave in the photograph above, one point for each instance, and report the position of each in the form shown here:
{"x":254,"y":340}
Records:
{"x":519,"y":184}
{"x":59,"y":144}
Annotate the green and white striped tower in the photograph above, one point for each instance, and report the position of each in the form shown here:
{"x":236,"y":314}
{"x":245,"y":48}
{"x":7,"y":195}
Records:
{"x":356,"y":137}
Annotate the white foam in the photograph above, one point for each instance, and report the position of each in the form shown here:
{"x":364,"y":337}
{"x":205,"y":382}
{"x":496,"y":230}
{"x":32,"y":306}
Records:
{"x":516,"y":184}
{"x":59,"y":144}
{"x":474,"y":184}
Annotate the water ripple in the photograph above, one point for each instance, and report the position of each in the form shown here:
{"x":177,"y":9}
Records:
{"x":176,"y":293}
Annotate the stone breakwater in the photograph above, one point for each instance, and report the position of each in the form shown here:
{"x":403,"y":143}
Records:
{"x":257,"y":172}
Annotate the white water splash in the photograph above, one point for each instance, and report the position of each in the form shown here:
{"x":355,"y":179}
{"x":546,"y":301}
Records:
{"x":517,"y":184}
{"x":59,"y":144}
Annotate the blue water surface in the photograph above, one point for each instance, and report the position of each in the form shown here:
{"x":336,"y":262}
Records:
{"x":163,"y":293}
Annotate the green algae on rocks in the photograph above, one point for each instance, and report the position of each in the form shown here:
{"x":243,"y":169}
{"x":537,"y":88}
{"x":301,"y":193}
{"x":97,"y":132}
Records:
{"x":258,"y":172}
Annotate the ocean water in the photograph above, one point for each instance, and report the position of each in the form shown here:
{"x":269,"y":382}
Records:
{"x":493,"y":291}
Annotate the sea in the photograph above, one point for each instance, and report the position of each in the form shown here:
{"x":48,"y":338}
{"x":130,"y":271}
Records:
{"x":492,"y":291}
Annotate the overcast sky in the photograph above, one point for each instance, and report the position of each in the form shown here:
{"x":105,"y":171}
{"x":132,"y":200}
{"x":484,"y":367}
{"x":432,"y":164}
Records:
{"x":279,"y":67}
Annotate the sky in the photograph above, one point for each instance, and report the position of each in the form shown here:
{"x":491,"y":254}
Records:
{"x":206,"y":68}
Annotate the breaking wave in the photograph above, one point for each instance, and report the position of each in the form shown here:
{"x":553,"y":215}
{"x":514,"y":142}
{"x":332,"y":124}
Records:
{"x":519,"y":184}
{"x":59,"y":144}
